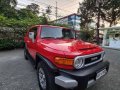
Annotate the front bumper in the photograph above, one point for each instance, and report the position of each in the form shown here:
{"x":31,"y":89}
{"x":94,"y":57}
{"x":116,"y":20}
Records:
{"x":82,"y":78}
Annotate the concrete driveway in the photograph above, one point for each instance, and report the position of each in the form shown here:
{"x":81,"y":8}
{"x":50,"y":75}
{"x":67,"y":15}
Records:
{"x":18,"y":74}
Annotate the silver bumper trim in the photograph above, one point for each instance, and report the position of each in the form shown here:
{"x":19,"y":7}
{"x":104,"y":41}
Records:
{"x":66,"y":82}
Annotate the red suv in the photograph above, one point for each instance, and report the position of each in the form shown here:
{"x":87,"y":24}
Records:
{"x":63,"y":61}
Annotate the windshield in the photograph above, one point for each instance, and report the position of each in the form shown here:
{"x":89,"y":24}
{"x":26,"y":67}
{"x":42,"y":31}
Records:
{"x":57,"y":33}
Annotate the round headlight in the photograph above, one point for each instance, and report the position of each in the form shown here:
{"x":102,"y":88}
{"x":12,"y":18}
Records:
{"x":103,"y":55}
{"x":78,"y":62}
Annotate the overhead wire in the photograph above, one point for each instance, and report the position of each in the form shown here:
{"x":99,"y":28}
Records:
{"x":60,"y":10}
{"x":39,"y":12}
{"x":51,"y":6}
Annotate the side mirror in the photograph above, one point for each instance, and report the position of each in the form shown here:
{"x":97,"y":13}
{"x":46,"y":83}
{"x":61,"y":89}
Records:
{"x":31,"y":36}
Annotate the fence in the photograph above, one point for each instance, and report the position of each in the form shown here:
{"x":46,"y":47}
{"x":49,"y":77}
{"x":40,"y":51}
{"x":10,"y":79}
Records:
{"x":11,"y":38}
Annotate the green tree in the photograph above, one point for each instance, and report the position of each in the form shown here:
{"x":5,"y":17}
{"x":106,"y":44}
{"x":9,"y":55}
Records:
{"x":7,"y":8}
{"x":33,"y":7}
{"x":11,"y":3}
{"x":25,"y":17}
{"x":109,"y":10}
{"x":44,"y":19}
{"x":2,"y":19}
{"x":11,"y":13}
{"x":48,"y":9}
{"x":25,"y":13}
{"x":86,"y":13}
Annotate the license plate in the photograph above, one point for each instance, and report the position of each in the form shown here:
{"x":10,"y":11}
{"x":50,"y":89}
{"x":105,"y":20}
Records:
{"x":101,"y":73}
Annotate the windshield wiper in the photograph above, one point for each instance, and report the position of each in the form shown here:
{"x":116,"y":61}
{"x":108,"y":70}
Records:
{"x":72,"y":38}
{"x":47,"y":37}
{"x":59,"y":38}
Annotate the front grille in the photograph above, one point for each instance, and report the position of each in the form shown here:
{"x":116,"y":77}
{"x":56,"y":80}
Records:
{"x":92,"y":59}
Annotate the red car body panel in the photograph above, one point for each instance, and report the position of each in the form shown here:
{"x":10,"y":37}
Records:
{"x":66,"y":48}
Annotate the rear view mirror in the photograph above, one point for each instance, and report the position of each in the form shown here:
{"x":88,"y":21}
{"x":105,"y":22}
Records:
{"x":31,"y":36}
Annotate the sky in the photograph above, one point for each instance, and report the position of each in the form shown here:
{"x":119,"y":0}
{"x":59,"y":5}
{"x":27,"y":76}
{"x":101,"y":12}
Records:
{"x":65,"y":7}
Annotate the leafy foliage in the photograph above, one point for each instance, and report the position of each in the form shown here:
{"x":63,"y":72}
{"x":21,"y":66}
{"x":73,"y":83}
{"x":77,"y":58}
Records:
{"x":48,"y":9}
{"x":7,"y":8}
{"x":24,"y":14}
{"x":34,"y":8}
{"x":86,"y":12}
{"x":23,"y":18}
{"x":109,"y":10}
{"x":86,"y":35}
{"x":22,"y":22}
{"x":7,"y":44}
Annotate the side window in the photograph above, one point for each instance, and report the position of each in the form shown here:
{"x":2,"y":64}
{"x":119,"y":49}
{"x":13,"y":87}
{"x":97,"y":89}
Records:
{"x":33,"y":31}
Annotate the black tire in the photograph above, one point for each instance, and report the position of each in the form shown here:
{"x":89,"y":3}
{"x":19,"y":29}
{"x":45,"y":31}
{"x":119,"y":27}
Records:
{"x":25,"y":54}
{"x":49,"y":77}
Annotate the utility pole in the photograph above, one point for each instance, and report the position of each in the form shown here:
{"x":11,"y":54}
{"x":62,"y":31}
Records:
{"x":56,"y":12}
{"x":98,"y":5}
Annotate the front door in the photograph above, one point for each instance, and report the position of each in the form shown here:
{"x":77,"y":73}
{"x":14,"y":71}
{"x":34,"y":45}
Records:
{"x":32,"y":42}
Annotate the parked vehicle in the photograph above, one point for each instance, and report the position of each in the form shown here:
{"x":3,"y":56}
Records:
{"x":63,"y":61}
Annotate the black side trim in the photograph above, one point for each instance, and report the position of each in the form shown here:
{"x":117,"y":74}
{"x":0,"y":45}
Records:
{"x":45,"y":60}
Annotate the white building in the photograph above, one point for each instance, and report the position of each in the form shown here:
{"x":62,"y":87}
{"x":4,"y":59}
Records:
{"x":73,"y":20}
{"x":111,"y":37}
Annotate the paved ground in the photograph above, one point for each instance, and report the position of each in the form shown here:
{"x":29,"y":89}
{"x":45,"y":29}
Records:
{"x":18,"y":74}
{"x":112,"y":80}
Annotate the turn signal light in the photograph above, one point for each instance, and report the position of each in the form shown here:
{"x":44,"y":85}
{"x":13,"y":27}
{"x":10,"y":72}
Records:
{"x":63,"y":61}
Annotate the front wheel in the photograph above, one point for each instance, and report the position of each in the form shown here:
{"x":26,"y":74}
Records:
{"x":45,"y":77}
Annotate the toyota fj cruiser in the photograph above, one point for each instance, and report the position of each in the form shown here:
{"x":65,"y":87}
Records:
{"x":62,"y":60}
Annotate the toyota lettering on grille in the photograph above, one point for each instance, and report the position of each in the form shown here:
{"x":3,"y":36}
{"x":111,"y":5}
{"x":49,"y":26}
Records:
{"x":94,"y":58}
